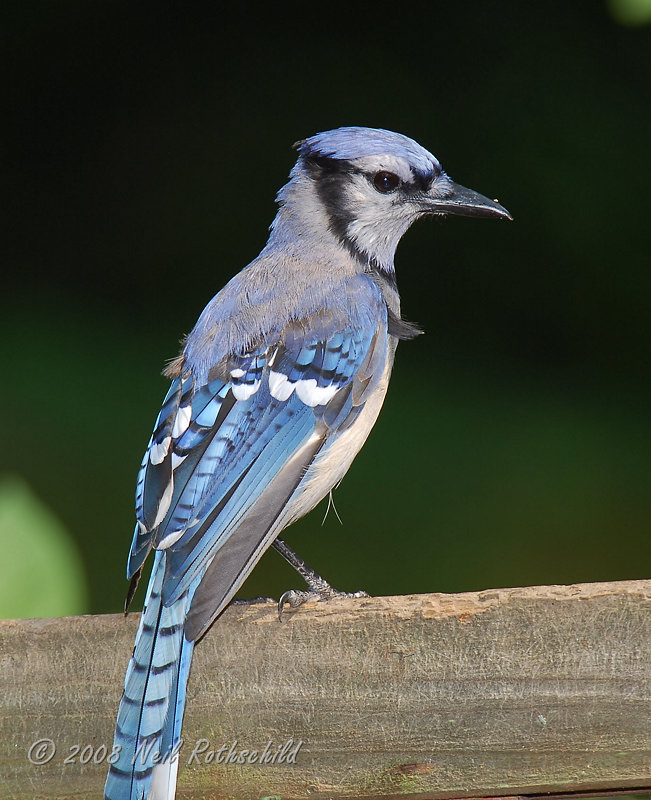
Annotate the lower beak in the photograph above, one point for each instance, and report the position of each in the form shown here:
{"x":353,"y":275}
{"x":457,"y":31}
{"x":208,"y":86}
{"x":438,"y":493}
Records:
{"x":464,"y":202}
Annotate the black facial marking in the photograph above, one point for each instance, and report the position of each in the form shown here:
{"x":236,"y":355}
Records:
{"x":330,"y":175}
{"x":321,"y":163}
{"x":422,"y":181}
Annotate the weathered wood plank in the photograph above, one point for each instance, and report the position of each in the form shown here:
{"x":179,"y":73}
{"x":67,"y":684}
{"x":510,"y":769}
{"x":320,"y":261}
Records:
{"x":501,"y":692}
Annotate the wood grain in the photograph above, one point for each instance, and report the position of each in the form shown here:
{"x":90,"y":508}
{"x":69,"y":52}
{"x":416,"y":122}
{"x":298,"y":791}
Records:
{"x":500,"y":692}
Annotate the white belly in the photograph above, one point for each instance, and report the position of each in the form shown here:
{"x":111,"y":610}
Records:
{"x":330,"y":465}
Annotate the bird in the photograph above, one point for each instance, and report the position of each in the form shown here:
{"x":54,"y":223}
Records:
{"x":272,"y":396}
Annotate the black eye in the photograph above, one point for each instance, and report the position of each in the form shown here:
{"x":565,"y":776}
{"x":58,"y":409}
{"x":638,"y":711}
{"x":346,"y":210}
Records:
{"x":386,"y":181}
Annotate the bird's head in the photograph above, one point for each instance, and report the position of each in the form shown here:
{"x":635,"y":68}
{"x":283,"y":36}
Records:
{"x":373,"y":184}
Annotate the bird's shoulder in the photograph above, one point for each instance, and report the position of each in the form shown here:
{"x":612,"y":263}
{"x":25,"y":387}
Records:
{"x":275,"y":301}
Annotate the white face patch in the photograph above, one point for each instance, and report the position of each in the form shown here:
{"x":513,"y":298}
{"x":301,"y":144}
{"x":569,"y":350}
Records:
{"x":237,"y":373}
{"x":158,"y":452}
{"x":380,"y":220}
{"x":181,"y":421}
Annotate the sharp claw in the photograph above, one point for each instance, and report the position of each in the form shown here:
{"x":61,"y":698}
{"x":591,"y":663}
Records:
{"x":293,"y":598}
{"x":283,"y":599}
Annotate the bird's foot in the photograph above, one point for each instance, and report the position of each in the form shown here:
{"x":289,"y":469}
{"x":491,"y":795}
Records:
{"x":322,"y":591}
{"x":317,"y":587}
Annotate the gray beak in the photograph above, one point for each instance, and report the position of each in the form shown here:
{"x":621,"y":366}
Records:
{"x":455,"y":199}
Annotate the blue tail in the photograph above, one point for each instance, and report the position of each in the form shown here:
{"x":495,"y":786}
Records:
{"x":151,"y":710}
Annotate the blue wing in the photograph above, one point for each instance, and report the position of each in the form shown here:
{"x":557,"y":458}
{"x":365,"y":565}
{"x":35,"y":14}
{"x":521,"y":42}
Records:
{"x":217,"y":448}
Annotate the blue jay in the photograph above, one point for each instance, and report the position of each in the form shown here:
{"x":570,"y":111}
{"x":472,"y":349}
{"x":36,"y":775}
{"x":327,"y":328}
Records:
{"x":274,"y":393}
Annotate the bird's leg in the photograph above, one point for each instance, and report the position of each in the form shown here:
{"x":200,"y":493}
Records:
{"x":318,"y":587}
{"x":315,"y":582}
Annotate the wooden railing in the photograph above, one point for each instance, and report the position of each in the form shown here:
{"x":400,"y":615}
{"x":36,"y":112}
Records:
{"x":495,"y":693}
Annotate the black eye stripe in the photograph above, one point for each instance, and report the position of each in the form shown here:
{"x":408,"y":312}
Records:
{"x":422,"y":181}
{"x":386,"y":182}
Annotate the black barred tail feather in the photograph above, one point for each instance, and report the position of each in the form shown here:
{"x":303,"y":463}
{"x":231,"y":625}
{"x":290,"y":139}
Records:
{"x":149,"y":719}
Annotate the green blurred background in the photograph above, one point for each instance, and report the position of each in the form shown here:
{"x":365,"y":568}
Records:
{"x":143,"y":144}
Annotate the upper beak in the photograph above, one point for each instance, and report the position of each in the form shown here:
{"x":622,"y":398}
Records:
{"x":457,"y":199}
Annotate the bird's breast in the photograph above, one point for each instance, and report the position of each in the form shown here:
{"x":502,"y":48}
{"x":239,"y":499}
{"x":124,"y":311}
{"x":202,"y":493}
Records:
{"x":335,"y":458}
